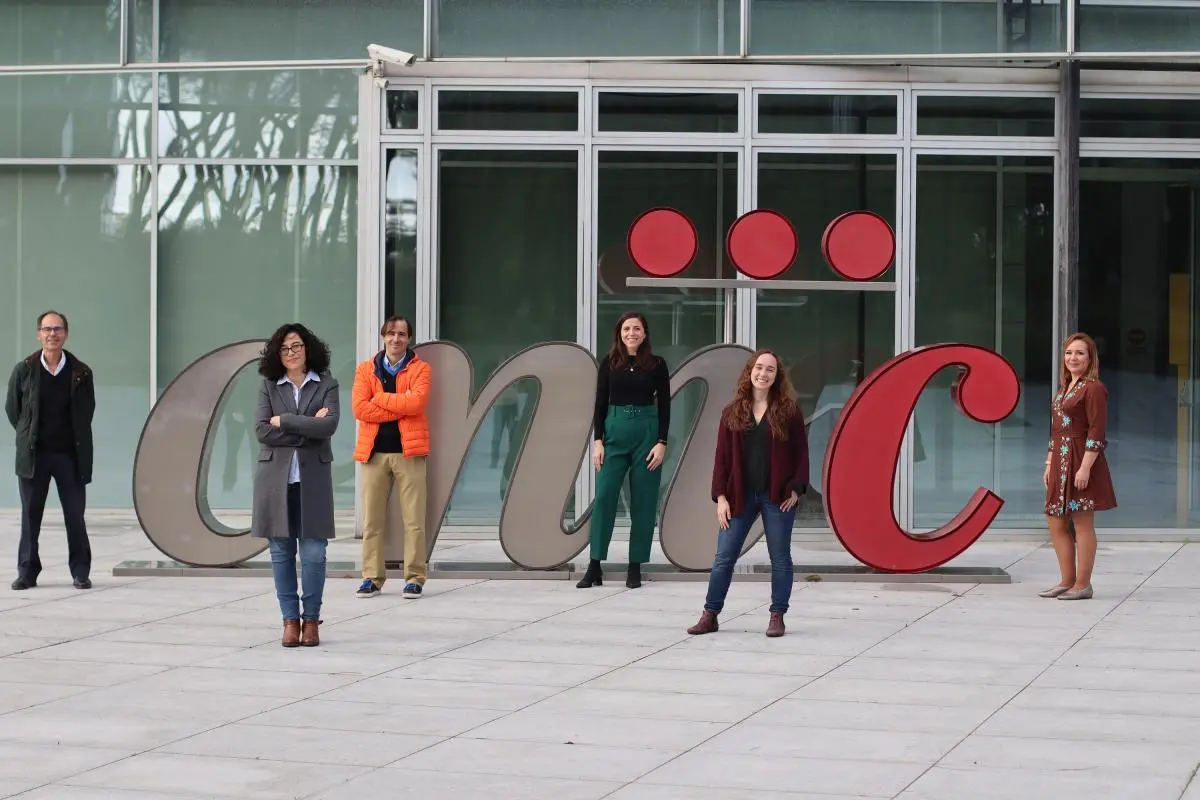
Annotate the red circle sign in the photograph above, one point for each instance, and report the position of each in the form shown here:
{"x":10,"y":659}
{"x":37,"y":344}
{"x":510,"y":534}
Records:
{"x":762,"y":244}
{"x":859,"y":245}
{"x":662,"y":242}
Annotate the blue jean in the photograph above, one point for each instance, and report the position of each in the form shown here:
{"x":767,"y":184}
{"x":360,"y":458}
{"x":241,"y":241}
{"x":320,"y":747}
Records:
{"x":312,"y":565}
{"x":778,"y":526}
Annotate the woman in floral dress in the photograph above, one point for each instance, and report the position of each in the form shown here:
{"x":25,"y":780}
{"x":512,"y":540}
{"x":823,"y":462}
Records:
{"x":1077,"y":480}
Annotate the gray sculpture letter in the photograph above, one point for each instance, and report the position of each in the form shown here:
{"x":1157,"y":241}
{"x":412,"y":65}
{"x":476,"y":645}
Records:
{"x":170,"y":455}
{"x":688,"y":528}
{"x":531,"y":529}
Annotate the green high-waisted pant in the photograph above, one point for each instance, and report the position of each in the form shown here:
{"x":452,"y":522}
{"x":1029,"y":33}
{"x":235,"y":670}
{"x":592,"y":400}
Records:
{"x":629,"y":434}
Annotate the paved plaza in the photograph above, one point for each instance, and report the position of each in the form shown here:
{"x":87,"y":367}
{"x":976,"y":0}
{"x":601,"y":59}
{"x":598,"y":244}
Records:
{"x":150,"y":688}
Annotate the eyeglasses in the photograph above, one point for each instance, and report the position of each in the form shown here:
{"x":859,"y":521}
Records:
{"x":53,"y":329}
{"x":287,"y":350}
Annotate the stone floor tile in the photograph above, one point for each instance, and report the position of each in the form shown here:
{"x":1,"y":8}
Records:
{"x":821,"y":776}
{"x":377,"y":718}
{"x":945,"y":783}
{"x":206,"y":776}
{"x":466,"y":786}
{"x":302,"y":745}
{"x":440,"y":694}
{"x":650,"y":705}
{"x":531,"y":725}
{"x":538,"y":759}
{"x":828,"y":741}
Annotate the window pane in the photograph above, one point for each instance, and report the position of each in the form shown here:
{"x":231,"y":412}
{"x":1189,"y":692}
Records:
{"x":101,"y":218}
{"x":403,"y":109}
{"x":1137,"y":26}
{"x":506,"y":28}
{"x":508,"y":260}
{"x":826,"y":113}
{"x":1113,"y":117}
{"x":1138,"y":224}
{"x":945,"y":115}
{"x":985,"y":276}
{"x":663,"y":112}
{"x":813,"y":189}
{"x":473,"y":110}
{"x":901,"y":26}
{"x":141,"y":30}
{"x":400,"y":235}
{"x":266,"y":30}
{"x":828,"y":341}
{"x":75,"y":116}
{"x":260,"y":114}
{"x":704,"y":186}
{"x":241,"y":251}
{"x":60,"y":32}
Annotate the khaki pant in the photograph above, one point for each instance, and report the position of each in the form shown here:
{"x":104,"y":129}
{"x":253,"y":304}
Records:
{"x":379,"y":474}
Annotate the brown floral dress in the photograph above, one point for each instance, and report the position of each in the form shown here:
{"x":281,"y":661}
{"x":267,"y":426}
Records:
{"x":1078,"y":422}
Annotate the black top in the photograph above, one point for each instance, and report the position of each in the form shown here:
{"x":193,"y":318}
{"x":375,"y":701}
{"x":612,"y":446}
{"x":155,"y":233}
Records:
{"x":387,"y":439}
{"x":756,"y":456}
{"x":56,"y":432}
{"x":631,"y":386}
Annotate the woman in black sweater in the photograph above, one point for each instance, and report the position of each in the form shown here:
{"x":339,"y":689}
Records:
{"x":632,"y":415}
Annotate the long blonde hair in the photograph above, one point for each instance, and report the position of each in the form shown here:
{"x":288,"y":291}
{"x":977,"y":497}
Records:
{"x":1093,"y":370}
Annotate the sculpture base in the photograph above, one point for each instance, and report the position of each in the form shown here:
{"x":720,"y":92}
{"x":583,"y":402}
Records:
{"x":506,"y":570}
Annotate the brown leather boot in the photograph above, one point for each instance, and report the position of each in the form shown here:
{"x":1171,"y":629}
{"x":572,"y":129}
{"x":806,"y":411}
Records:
{"x":775,"y":627}
{"x":707,"y":624}
{"x":308,"y":634}
{"x":291,"y":633}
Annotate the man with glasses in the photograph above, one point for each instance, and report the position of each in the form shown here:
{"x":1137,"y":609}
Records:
{"x":390,"y":393}
{"x":50,"y":402}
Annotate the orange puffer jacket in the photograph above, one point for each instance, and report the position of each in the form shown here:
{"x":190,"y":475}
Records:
{"x":372,"y":405}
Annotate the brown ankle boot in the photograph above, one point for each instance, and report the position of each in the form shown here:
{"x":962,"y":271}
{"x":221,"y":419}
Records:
{"x":308,"y":634}
{"x":775,"y":627}
{"x":707,"y":624}
{"x":291,"y":633}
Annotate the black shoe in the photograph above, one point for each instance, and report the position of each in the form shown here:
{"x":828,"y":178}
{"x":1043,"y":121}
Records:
{"x":633,"y":579}
{"x":21,"y":584}
{"x":593,"y":577}
{"x":81,"y":583}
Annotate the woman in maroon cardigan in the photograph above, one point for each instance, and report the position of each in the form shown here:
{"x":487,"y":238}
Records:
{"x":761,"y":467}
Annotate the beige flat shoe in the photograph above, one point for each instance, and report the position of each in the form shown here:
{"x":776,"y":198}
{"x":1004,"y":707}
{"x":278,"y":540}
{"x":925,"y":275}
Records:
{"x":1083,"y":594}
{"x":1054,"y":591}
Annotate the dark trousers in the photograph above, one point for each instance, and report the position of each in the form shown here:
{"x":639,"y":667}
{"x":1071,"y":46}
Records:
{"x":777,"y":525}
{"x":630,"y":432}
{"x":72,"y":495}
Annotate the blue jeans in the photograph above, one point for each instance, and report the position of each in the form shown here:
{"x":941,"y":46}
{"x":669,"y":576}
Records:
{"x":778,"y":526}
{"x":312,"y":565}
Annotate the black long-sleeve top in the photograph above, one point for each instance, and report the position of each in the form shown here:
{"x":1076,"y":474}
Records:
{"x":631,"y":386}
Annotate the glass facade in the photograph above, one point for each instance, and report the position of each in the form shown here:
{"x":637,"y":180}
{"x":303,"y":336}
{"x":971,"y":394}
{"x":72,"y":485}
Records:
{"x":179,"y":174}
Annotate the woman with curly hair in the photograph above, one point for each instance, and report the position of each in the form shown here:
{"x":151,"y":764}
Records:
{"x":761,"y":467}
{"x":296,"y":417}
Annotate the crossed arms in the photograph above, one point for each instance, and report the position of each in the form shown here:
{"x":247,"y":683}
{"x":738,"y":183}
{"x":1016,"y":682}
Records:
{"x":372,"y":404}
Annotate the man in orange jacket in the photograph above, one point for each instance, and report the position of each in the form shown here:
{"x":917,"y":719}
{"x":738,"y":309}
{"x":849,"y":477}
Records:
{"x":390,"y":393}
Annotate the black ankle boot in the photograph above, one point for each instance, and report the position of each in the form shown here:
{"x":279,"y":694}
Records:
{"x":633,"y":578}
{"x":593,"y":577}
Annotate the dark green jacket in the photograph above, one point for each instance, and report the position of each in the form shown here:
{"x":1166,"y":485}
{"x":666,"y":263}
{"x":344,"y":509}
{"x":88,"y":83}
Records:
{"x":21,"y":406}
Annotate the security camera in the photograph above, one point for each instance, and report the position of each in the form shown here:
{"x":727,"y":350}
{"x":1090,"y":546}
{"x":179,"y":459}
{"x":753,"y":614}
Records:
{"x":379,"y":53}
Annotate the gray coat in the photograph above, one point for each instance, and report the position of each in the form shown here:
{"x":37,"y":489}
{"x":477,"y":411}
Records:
{"x":302,"y":433}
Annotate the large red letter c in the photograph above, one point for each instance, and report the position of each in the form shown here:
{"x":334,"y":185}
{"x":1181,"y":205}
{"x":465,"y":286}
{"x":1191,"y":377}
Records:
{"x":861,"y":463}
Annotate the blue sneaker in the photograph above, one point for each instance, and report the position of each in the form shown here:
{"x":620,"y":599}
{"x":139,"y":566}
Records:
{"x":412,"y":591}
{"x":369,"y":588}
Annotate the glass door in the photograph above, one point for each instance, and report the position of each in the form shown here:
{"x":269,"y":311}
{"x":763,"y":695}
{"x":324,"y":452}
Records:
{"x":984,"y":275}
{"x":704,"y":185}
{"x":828,"y":338}
{"x":1137,"y":298}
